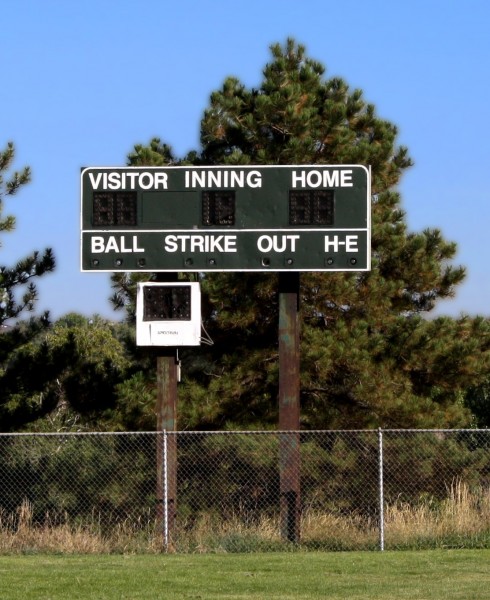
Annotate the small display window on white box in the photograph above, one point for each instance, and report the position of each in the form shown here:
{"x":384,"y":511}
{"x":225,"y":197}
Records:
{"x":168,"y":314}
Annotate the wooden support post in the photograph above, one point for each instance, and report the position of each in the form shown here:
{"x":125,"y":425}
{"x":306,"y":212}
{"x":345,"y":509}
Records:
{"x":166,"y":413}
{"x":166,"y":410}
{"x":289,"y":406}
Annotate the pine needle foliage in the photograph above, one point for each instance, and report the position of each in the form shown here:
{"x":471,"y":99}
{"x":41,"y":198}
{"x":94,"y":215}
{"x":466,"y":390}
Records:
{"x":18,"y":292}
{"x":370,"y":355}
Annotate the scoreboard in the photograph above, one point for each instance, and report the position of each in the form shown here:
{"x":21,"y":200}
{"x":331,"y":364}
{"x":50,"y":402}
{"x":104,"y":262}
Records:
{"x":226,"y":218}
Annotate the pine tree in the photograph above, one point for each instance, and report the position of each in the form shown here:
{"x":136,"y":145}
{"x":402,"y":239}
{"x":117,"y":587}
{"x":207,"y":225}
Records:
{"x":18,"y":292}
{"x":358,"y":367}
{"x":370,"y":357}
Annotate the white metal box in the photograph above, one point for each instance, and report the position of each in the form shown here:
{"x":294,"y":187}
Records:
{"x":168,"y":314}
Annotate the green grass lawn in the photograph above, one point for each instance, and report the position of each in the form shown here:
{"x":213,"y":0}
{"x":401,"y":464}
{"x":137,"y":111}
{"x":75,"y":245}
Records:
{"x":421,"y":575}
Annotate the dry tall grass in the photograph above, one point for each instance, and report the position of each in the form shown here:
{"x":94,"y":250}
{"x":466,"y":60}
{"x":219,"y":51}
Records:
{"x":463,"y":516}
{"x":19,"y":534}
{"x":463,"y":513}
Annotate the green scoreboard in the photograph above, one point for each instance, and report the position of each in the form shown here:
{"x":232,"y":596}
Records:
{"x":226,"y":218}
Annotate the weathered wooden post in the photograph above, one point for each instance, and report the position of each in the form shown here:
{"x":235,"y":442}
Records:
{"x":289,"y":406}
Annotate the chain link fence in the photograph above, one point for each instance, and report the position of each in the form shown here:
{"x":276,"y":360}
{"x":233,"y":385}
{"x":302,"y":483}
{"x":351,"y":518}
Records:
{"x":244,"y":491}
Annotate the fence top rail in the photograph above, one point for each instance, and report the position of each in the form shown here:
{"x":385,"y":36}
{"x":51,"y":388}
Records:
{"x":236,"y":432}
{"x":76,"y":433}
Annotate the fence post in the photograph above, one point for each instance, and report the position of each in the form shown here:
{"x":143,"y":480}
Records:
{"x":167,"y":422}
{"x":165,"y":492}
{"x":381,"y":491}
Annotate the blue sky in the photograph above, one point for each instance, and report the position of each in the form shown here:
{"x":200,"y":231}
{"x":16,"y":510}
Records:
{"x":82,"y":82}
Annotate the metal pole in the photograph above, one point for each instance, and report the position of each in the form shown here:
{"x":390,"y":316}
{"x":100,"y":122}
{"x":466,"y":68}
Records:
{"x":381,"y":492}
{"x":165,"y":492}
{"x":289,"y":406}
{"x":167,"y":422}
{"x":166,"y":413}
